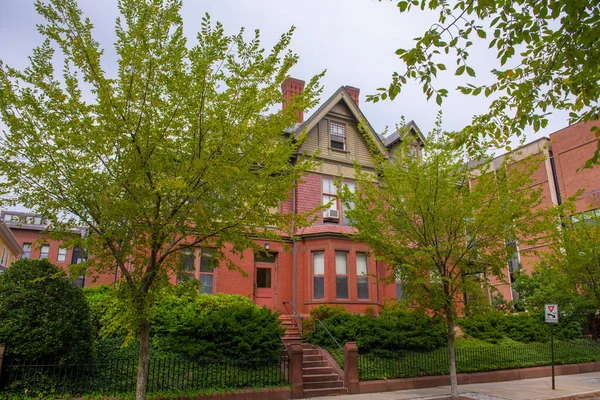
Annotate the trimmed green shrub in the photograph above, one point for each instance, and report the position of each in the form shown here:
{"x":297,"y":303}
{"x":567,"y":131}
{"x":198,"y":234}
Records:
{"x":521,"y":327}
{"x":197,"y":325}
{"x":396,"y":329}
{"x":43,"y":314}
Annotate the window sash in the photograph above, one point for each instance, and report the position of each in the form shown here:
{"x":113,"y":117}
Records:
{"x":45,"y":251}
{"x":362,"y":283}
{"x":337,"y":132}
{"x":26,"y":250}
{"x":341,"y":263}
{"x":341,"y":286}
{"x":318,"y":259}
{"x":319,"y":263}
{"x":62,"y":254}
{"x":361,"y":264}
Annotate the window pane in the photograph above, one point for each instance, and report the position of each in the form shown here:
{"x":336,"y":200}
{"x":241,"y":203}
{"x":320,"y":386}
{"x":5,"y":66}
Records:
{"x":329,"y":186}
{"x":337,"y":145}
{"x":263,"y":278}
{"x":207,"y":283}
{"x":340,"y":263}
{"x":45,"y":251}
{"x":187,"y":260}
{"x":361,"y":264}
{"x":363,"y":287}
{"x":341,"y":287}
{"x":319,"y":263}
{"x":265,"y":258}
{"x":62,"y":254}
{"x":207,"y":262}
{"x":327,"y":199}
{"x":26,"y":250}
{"x":399,"y":291}
{"x":319,"y":287}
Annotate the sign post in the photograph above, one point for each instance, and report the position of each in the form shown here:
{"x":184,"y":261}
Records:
{"x":551,"y":313}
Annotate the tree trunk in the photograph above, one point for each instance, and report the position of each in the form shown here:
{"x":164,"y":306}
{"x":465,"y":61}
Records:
{"x":452,"y":356}
{"x":143,"y":361}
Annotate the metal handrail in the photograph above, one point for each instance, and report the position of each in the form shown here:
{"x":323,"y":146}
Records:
{"x":296,"y":313}
{"x":282,"y":342}
{"x":330,"y":335}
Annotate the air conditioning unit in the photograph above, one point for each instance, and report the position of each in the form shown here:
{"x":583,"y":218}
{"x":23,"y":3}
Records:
{"x":331,"y":214}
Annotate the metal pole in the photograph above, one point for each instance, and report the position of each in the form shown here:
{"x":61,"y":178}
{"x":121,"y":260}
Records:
{"x":552,"y":351}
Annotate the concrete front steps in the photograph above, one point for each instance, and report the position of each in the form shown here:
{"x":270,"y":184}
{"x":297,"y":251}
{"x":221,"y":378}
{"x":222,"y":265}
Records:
{"x":320,"y":378}
{"x":292,"y":331}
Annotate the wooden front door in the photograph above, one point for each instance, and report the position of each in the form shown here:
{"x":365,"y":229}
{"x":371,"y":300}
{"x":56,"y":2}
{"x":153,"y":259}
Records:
{"x":264,"y":273}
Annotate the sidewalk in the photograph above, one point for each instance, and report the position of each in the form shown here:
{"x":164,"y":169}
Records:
{"x":567,"y":387}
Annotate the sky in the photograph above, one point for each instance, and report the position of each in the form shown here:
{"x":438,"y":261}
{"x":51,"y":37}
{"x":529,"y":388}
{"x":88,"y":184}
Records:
{"x":354,"y":40}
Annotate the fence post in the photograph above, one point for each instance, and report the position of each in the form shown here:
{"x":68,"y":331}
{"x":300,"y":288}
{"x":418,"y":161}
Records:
{"x":296,"y":378}
{"x":351,"y":367}
{"x":2,"y":348}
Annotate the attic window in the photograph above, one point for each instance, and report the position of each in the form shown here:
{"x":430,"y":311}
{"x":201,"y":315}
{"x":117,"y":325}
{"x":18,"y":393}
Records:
{"x":337,"y":135}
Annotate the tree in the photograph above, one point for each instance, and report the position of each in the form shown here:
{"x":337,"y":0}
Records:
{"x":547,"y":56}
{"x":178,"y":149}
{"x":43,"y":314}
{"x":439,"y":223}
{"x":569,"y":273}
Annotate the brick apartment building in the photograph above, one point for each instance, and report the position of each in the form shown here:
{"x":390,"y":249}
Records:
{"x":560,"y":175}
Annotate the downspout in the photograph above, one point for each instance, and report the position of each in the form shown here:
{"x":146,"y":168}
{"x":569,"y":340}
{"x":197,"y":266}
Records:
{"x":294,"y":238}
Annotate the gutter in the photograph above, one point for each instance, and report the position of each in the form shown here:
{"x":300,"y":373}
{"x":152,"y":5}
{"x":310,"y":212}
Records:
{"x":294,"y":238}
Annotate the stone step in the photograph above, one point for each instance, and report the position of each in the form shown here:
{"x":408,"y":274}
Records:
{"x":321,"y":378}
{"x":323,"y":385}
{"x":308,"y":346}
{"x":309,"y":352}
{"x":292,"y":341}
{"x":324,"y":392}
{"x":306,"y":371}
{"x":314,"y":364}
{"x":308,"y":358}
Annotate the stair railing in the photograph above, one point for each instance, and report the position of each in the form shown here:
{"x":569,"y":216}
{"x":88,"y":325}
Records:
{"x":330,"y":335}
{"x":295,"y":315}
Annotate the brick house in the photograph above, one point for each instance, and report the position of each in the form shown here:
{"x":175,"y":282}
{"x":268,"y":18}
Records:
{"x":559,"y":175}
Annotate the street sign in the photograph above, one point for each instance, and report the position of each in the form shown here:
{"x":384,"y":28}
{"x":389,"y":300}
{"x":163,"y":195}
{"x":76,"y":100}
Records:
{"x":551,"y":313}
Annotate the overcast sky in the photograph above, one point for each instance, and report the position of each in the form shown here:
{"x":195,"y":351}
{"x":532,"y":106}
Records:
{"x":354,"y":40}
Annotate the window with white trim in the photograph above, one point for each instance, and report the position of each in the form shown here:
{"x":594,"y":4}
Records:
{"x":26,"y":250}
{"x":45,"y":251}
{"x":207,"y":271}
{"x":337,"y":136}
{"x":62,"y":254}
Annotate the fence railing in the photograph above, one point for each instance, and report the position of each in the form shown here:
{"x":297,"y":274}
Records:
{"x":118,"y":376}
{"x":473,"y":359}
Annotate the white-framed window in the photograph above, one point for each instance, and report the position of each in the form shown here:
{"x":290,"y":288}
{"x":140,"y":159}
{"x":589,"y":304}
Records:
{"x":207,"y":271}
{"x":341,"y":275}
{"x":330,"y":197}
{"x":62,"y":254}
{"x":26,"y":250}
{"x":337,"y":135}
{"x":44,"y":251}
{"x":362,"y":280}
{"x":318,"y":261}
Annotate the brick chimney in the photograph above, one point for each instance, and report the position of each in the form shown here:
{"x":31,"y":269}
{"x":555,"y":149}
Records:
{"x":289,"y":88}
{"x":354,"y":93}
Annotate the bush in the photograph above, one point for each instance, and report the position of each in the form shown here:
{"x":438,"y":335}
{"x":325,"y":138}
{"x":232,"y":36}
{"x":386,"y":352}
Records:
{"x":522,"y":327}
{"x":396,"y":329}
{"x":220,"y":326}
{"x":98,"y":299}
{"x":43,"y":314}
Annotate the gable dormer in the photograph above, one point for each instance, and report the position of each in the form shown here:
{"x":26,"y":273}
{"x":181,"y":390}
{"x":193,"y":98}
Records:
{"x":333,"y":131}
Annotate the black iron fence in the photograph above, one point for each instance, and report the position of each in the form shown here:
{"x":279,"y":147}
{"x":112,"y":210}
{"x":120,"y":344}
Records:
{"x":474,"y":359}
{"x":118,"y":376}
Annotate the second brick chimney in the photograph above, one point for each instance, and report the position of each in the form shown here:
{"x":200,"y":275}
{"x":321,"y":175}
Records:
{"x":354,"y":93}
{"x":290,"y":88}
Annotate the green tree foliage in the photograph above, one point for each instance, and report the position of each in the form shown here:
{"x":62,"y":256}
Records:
{"x":396,"y":329}
{"x":438,"y":223}
{"x":547,"y":59}
{"x":43,"y":314}
{"x":569,"y":273}
{"x":178,"y":148}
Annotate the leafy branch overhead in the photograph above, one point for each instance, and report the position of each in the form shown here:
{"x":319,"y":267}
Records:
{"x":547,"y":54}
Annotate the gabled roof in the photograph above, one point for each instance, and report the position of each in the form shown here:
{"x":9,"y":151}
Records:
{"x":395,"y":137}
{"x":340,"y":95}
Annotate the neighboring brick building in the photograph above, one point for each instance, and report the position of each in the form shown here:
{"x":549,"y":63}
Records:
{"x":29,"y":232}
{"x":560,"y":175}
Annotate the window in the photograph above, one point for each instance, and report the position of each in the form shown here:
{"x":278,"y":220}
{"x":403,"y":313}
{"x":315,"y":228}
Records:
{"x":400,"y":293}
{"x":4,"y":258}
{"x":337,"y":135}
{"x":330,"y":195}
{"x":362,"y":280}
{"x":318,"y":275}
{"x":187,"y":265}
{"x":263,"y":278}
{"x":591,"y":217}
{"x":26,"y":250}
{"x":513,"y":266}
{"x":62,"y":254}
{"x":350,"y":186}
{"x":207,"y":271}
{"x":45,"y":251}
{"x":341,"y":275}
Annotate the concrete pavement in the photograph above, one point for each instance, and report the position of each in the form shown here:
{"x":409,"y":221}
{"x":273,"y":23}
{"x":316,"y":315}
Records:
{"x":567,"y":387}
